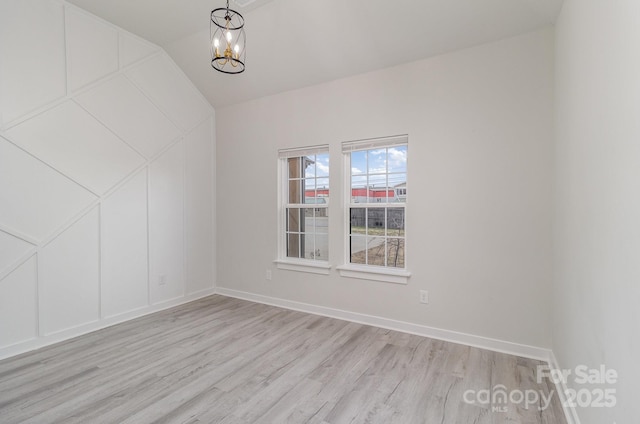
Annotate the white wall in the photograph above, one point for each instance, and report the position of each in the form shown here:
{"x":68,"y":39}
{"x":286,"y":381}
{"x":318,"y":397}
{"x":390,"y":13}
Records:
{"x":106,"y":177}
{"x":480,"y":175}
{"x":596,"y":314}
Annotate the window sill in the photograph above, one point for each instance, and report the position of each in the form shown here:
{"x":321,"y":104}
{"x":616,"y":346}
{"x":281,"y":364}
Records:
{"x":313,"y":267}
{"x":396,"y":276}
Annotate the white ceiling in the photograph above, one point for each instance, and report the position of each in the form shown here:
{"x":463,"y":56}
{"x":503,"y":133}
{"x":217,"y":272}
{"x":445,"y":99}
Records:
{"x":296,"y":43}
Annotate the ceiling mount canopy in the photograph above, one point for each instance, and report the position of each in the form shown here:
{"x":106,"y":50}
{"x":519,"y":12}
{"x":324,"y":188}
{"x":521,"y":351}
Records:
{"x":228,"y":40}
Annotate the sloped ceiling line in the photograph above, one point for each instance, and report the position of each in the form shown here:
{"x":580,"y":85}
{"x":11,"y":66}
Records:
{"x":143,"y":49}
{"x":92,"y":48}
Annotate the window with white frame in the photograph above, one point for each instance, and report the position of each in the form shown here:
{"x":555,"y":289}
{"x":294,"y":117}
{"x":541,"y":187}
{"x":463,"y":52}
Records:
{"x":377,"y":193}
{"x":304,"y":204}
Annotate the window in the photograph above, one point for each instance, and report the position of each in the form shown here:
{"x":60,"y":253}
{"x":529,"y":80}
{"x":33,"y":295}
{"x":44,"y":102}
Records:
{"x":376,"y":217}
{"x":304,"y":210}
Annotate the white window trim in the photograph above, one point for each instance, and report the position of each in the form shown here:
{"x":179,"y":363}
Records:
{"x":303,"y":265}
{"x":283,"y":262}
{"x":375,"y":273}
{"x":370,"y":272}
{"x":374,"y":143}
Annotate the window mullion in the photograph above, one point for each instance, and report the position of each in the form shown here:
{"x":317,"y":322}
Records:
{"x":366,"y":187}
{"x":386,"y":183}
{"x":386,"y":239}
{"x":315,"y":232}
{"x":366,"y":234}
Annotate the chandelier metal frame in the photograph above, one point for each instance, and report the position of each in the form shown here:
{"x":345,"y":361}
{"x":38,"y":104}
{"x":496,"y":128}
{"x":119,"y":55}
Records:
{"x":228,"y":40}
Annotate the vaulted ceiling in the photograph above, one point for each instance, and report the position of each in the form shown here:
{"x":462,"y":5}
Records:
{"x":296,"y":43}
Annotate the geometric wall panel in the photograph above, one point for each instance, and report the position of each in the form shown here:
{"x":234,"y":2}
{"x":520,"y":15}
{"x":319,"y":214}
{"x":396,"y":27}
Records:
{"x":171,"y":91}
{"x":11,"y":250}
{"x":122,"y":108}
{"x":32,"y":67}
{"x":92,"y":48}
{"x":166,"y":225}
{"x":18,"y":305}
{"x":35,"y":200}
{"x":69,"y":286}
{"x":75,"y":125}
{"x":199,"y":208}
{"x":133,"y":49}
{"x":73,"y":142}
{"x":124,"y":265}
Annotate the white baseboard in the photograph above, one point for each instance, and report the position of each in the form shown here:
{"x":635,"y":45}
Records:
{"x":40,"y":342}
{"x":570,"y":412}
{"x":390,"y":324}
{"x":502,"y":346}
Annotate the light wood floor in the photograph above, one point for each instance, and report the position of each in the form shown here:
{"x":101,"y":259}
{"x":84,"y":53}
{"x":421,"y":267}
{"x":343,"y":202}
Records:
{"x":223,"y":360}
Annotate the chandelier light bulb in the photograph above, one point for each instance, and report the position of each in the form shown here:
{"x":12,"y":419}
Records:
{"x":216,"y":43}
{"x":229,"y":36}
{"x":237,"y":49}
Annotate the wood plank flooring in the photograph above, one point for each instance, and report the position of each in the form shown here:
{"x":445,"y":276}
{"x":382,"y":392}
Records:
{"x":228,"y":361}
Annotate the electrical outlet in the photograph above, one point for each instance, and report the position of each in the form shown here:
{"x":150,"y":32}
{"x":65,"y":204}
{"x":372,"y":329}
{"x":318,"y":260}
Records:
{"x":424,"y":296}
{"x":268,"y":274}
{"x":162,"y":280}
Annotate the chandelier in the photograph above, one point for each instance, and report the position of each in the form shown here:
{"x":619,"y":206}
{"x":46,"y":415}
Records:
{"x":227,"y":40}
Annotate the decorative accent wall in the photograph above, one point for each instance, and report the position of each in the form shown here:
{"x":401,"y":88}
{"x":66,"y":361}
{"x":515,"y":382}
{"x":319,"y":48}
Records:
{"x":106,"y":177}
